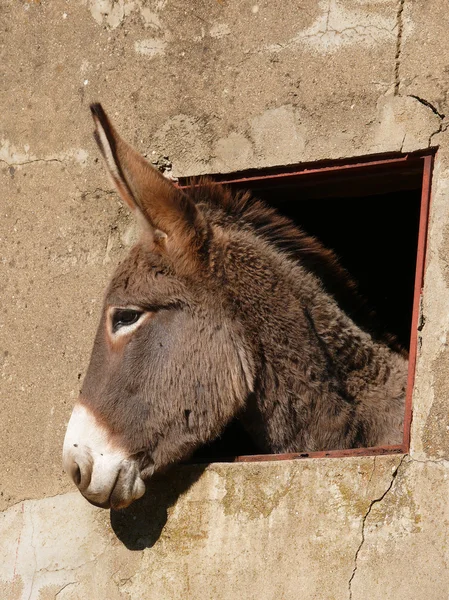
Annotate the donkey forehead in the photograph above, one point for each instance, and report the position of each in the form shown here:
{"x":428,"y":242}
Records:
{"x":144,"y":278}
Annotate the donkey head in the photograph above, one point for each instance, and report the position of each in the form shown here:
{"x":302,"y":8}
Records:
{"x":169,"y":366}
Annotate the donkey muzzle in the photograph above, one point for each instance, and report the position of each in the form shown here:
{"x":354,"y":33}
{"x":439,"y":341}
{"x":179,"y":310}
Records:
{"x":103,"y":473}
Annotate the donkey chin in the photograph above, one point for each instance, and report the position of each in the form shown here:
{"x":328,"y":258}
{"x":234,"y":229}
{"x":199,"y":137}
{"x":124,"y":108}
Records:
{"x":105,"y":475}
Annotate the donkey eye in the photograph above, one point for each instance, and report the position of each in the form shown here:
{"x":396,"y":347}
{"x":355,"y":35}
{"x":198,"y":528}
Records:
{"x":122,"y":317}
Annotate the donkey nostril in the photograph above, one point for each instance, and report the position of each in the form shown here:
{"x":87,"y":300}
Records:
{"x":76,"y":474}
{"x":78,"y":464}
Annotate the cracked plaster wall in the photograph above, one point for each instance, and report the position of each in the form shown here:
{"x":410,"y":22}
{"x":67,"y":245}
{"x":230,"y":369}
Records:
{"x":216,"y":86}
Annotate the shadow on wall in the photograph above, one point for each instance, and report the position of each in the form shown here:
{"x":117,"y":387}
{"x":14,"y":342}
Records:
{"x":140,"y":525}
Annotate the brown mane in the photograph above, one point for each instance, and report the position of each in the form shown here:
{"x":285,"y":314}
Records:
{"x":241,"y":207}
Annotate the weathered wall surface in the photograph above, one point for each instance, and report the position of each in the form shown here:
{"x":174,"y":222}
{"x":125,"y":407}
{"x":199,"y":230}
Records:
{"x":216,"y":86}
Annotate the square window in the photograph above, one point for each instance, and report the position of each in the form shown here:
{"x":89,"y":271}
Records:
{"x":373,"y":213}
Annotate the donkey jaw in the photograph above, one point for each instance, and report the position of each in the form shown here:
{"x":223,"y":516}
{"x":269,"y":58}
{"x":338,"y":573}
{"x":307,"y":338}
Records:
{"x":105,"y":474}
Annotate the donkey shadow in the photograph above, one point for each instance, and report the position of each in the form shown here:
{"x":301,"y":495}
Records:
{"x":140,"y":525}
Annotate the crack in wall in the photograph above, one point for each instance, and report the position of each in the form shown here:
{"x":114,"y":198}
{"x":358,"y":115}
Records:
{"x":442,"y":128}
{"x":64,"y":586}
{"x":37,"y":499}
{"x":397,"y":58}
{"x":13,"y":156}
{"x":441,"y":116}
{"x":373,"y":502}
{"x":335,"y":28}
{"x":33,"y":547}
{"x":372,"y":472}
{"x":18,"y":542}
{"x":97,"y":192}
{"x":363,"y":31}
{"x":12,"y":166}
{"x":428,"y":104}
{"x":435,"y":461}
{"x":28,"y":162}
{"x":93,"y":560}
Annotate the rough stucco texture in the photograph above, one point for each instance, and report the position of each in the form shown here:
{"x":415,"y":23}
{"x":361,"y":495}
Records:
{"x":216,"y":86}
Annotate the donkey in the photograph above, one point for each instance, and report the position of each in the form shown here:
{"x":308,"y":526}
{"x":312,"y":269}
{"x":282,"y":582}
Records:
{"x":222,"y":309}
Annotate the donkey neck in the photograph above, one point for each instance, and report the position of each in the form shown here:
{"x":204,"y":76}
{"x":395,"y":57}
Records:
{"x":319,"y":376}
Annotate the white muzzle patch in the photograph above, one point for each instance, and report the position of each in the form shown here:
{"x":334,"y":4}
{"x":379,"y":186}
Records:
{"x":98,"y":468}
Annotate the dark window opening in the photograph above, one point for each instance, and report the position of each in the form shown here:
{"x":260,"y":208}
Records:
{"x":372,"y":215}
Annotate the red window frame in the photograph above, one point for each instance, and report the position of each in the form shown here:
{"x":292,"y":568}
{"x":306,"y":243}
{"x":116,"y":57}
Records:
{"x":359,"y":166}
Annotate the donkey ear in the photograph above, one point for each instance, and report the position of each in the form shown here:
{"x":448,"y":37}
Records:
{"x":174,"y":221}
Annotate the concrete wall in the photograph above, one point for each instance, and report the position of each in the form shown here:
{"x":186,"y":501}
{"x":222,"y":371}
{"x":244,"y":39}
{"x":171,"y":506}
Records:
{"x":217,"y":86}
